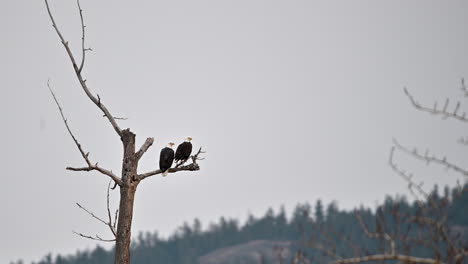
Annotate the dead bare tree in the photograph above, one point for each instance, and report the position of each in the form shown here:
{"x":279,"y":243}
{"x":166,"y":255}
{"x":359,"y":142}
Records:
{"x":427,"y":228}
{"x":130,"y":178}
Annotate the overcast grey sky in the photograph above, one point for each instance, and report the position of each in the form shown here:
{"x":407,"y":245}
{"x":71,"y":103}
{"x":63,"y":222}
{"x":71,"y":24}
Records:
{"x":293,"y":100}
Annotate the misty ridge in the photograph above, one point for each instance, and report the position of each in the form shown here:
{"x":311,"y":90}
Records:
{"x":276,"y":238}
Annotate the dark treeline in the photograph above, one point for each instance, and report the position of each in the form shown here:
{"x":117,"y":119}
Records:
{"x":327,"y":224}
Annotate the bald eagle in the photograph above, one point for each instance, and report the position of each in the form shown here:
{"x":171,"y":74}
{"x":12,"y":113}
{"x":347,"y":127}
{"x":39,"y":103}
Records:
{"x":166,"y":158}
{"x":183,"y":150}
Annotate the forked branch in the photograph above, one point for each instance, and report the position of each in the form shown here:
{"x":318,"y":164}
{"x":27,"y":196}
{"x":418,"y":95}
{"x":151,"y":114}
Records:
{"x":408,"y":177}
{"x":108,"y":223}
{"x":85,"y":155}
{"x":78,"y":70}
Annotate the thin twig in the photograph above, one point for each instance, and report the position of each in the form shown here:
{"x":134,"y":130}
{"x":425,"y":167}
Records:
{"x":85,"y":155}
{"x":428,"y":159}
{"x":80,"y":77}
{"x":82,"y":37}
{"x":463,"y":87}
{"x":406,"y":176}
{"x":111,"y":227}
{"x":385,"y":236}
{"x":436,"y":111}
{"x":91,"y":214}
{"x":96,"y":237}
{"x":109,"y":222}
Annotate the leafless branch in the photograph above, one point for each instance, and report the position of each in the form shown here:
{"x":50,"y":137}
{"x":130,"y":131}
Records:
{"x":431,"y":216}
{"x":115,"y":218}
{"x":91,"y":214}
{"x":190,"y":167}
{"x":408,"y":177}
{"x":96,"y":237}
{"x":436,"y":111}
{"x":101,"y":170}
{"x":381,"y":257}
{"x":428,"y":159}
{"x":83,"y":153}
{"x":109,"y":222}
{"x":79,"y":69}
{"x":144,"y":148}
{"x":385,"y":236}
{"x":463,"y":87}
{"x":441,"y":230}
{"x":436,"y":223}
{"x":193,"y":157}
{"x":82,"y":37}
{"x":413,"y":187}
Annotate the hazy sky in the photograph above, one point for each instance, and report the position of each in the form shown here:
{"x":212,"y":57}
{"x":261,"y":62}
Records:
{"x":293,"y":100}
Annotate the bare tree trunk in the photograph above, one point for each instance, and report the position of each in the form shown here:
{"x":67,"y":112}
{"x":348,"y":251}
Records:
{"x":127,"y":196}
{"x":130,"y":179}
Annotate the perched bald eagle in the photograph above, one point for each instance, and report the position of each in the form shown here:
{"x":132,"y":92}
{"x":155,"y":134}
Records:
{"x":183,"y":151}
{"x":166,"y":158}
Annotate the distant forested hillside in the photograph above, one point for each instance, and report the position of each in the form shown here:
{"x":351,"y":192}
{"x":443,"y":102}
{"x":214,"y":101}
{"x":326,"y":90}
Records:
{"x":260,"y":240}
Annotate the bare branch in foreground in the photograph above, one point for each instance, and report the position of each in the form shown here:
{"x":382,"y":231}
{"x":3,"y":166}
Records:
{"x":381,"y":257}
{"x":385,"y":236}
{"x":83,"y":154}
{"x":428,"y":159}
{"x":78,"y":70}
{"x":191,"y":167}
{"x":408,"y":177}
{"x":436,"y":111}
